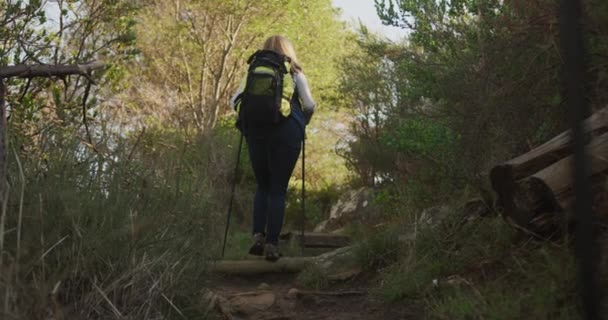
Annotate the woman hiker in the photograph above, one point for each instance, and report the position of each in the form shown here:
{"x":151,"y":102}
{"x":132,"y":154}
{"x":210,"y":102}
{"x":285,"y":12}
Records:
{"x":273,"y":149}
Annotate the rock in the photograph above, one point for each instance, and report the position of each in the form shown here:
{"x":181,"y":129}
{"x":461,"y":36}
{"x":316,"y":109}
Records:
{"x":263,"y":286}
{"x":429,"y":218}
{"x":353,"y":204}
{"x":321,"y":227}
{"x":225,"y":308}
{"x":407,"y":237}
{"x":292,"y":294}
{"x":433,"y":216}
{"x":340,"y":232}
{"x":250,"y":303}
{"x":350,"y":202}
{"x":476,"y":207}
{"x":210,"y":299}
{"x":345,"y":275}
{"x":335,"y":260}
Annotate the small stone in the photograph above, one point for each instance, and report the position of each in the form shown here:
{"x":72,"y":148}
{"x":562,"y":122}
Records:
{"x":252,"y":302}
{"x":264,"y":286}
{"x":292,"y":294}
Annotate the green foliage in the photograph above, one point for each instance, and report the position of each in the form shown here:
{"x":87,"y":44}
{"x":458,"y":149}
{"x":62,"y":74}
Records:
{"x":238,"y":244}
{"x":476,"y":83}
{"x":213,"y":40}
{"x":421,"y":137}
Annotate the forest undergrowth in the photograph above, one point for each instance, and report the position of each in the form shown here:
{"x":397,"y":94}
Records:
{"x":120,"y":180}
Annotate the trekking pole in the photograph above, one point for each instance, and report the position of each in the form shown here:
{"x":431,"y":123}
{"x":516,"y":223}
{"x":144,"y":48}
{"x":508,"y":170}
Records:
{"x":303,"y":222}
{"x":236,"y":173}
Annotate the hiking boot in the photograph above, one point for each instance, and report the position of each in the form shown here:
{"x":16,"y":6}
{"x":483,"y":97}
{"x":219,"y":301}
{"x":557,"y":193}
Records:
{"x":257,"y":249}
{"x":271,"y":252}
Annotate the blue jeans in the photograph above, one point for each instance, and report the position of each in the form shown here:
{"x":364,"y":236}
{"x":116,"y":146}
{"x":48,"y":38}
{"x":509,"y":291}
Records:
{"x":273,"y":156}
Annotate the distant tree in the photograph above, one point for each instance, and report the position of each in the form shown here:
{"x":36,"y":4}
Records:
{"x":193,"y":53}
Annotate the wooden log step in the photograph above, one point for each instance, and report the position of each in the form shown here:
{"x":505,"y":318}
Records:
{"x":336,"y":265}
{"x":260,"y":265}
{"x":317,"y":239}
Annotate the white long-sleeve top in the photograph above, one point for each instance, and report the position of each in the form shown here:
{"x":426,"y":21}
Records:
{"x":301,"y":85}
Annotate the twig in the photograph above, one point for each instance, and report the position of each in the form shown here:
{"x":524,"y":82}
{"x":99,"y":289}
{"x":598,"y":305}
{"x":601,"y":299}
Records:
{"x":20,"y":218}
{"x":3,"y":221}
{"x":52,"y":247}
{"x":117,"y":313}
{"x":173,"y":306}
{"x":84,"y":116}
{"x":532,"y":233}
{"x":301,"y":293}
{"x":143,"y":131}
{"x":42,"y":234}
{"x":27,"y":87}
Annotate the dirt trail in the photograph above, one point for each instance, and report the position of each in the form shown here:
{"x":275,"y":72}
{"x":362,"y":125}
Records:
{"x":268,"y":297}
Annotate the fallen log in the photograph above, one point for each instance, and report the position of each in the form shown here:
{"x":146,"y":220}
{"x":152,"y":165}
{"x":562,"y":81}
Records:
{"x":503,"y":177}
{"x":551,"y":189}
{"x":317,"y":239}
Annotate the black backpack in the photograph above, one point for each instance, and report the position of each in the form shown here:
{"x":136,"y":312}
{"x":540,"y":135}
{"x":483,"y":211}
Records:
{"x":262,"y":97}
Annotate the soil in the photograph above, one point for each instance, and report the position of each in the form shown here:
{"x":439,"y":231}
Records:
{"x":312,"y":306}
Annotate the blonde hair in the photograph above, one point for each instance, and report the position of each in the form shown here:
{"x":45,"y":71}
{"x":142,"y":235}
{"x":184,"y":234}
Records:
{"x":282,"y":45}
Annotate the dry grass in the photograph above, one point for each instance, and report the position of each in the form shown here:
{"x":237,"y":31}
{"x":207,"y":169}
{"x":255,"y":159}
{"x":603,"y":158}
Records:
{"x":129,"y":241}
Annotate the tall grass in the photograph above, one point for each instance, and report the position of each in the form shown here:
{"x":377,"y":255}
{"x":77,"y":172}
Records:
{"x":476,"y":269}
{"x":123,"y":234}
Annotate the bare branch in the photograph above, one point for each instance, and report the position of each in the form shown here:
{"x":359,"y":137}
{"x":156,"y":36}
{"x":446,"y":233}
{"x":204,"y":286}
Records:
{"x":27,"y":71}
{"x":84,"y":116}
{"x":27,"y":87}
